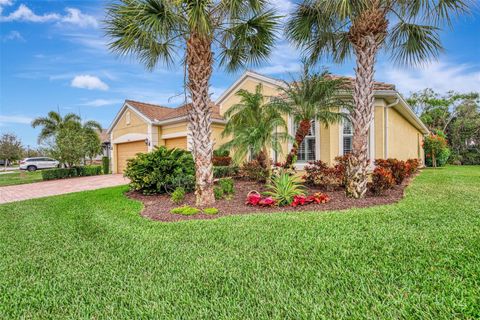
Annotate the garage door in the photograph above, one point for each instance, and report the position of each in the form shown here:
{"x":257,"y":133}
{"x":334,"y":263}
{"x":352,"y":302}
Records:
{"x":180,"y":143}
{"x":127,"y":151}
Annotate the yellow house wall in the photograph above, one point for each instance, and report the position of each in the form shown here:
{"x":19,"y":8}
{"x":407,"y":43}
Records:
{"x":379,"y":124}
{"x":217,"y":130}
{"x":175,"y":128}
{"x":404,"y":140}
{"x":137,"y":125}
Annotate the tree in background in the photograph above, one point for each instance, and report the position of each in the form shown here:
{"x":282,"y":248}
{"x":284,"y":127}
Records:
{"x":10,"y":148}
{"x":313,"y":96}
{"x":53,"y":123}
{"x":455,"y":114}
{"x":436,"y":149}
{"x":408,"y":30}
{"x":239,"y":31}
{"x":92,"y":143}
{"x":255,"y":126}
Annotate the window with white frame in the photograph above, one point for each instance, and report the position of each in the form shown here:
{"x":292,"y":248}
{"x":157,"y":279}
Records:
{"x":306,"y":150}
{"x":347,"y":136}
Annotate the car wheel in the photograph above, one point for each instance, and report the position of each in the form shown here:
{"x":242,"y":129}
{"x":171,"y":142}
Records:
{"x":31,"y":168}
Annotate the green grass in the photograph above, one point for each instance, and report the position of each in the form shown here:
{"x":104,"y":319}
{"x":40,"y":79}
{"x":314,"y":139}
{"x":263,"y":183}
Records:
{"x":90,"y":255}
{"x":19,"y":177}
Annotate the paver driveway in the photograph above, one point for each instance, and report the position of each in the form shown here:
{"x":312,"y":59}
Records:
{"x":56,"y":187}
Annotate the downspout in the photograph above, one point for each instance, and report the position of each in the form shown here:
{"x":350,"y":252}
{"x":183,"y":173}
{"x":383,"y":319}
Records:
{"x":385,"y":149}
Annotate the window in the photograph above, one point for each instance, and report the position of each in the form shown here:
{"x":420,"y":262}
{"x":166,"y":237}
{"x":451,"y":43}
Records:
{"x":347,"y":136}
{"x":306,"y":150}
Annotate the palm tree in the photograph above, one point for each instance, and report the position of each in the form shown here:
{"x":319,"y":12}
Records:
{"x":239,"y":31}
{"x":255,"y":127}
{"x":315,"y":95}
{"x":91,"y":131}
{"x":336,"y":28}
{"x":53,"y":123}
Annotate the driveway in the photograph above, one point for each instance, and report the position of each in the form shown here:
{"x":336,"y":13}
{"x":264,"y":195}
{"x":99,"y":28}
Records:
{"x":56,"y":187}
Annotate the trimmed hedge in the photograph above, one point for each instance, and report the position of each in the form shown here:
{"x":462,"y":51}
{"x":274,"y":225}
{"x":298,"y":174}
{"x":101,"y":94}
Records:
{"x":225,"y":171}
{"x":105,"y":165}
{"x":64,"y":173}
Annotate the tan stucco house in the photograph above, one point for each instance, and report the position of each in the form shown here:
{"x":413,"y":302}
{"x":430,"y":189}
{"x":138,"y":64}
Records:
{"x":396,"y":131}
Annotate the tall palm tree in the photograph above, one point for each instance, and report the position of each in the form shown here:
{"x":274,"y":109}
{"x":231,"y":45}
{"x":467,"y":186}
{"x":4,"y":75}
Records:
{"x":255,"y":126}
{"x":53,"y":123}
{"x":314,"y":95}
{"x":407,"y":29}
{"x":239,"y":31}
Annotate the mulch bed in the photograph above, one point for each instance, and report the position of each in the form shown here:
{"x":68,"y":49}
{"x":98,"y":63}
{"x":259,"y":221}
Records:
{"x":157,"y":207}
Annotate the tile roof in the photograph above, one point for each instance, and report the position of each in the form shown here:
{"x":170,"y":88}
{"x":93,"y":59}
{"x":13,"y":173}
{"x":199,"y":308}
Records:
{"x":159,"y":113}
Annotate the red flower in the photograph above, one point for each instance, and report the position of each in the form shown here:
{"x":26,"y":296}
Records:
{"x":253,"y":198}
{"x":268,"y":201}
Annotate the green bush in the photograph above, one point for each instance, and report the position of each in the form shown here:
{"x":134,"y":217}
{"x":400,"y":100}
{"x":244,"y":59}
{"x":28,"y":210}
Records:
{"x":210,"y":210}
{"x":63,"y":173}
{"x":185,"y":210}
{"x":218,"y":193}
{"x":283,"y":188}
{"x":161,"y":171}
{"x":225,"y":171}
{"x":178,"y":195}
{"x":436,"y":149}
{"x":226,"y":184}
{"x":221,"y":153}
{"x":106,"y":165}
{"x":253,"y":171}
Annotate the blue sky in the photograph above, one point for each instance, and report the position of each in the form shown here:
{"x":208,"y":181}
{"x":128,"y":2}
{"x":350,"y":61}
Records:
{"x":53,"y":57}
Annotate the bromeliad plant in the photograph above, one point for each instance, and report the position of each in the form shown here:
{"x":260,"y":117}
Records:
{"x":284,"y":187}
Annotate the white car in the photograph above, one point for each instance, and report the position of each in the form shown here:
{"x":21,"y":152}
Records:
{"x":32,"y":164}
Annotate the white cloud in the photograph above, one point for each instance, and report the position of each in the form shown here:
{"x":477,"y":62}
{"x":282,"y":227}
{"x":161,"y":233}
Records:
{"x":13,"y":35}
{"x":283,"y":7}
{"x":15,"y":119}
{"x":280,"y":68}
{"x":440,"y":76}
{"x":88,"y":82}
{"x":101,"y":102}
{"x":76,"y":17}
{"x":23,"y":13}
{"x":5,"y":3}
{"x":73,"y":16}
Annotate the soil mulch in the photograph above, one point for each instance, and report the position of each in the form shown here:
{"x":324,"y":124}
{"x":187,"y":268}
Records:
{"x":157,"y":207}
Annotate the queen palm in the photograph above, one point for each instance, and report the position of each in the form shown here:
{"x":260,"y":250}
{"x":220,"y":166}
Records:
{"x":407,"y":29}
{"x":254,"y":126}
{"x":314,"y":95}
{"x":239,"y":31}
{"x":53,"y":123}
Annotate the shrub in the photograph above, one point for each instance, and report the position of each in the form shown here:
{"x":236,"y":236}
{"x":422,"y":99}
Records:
{"x":226,"y":184}
{"x":283,"y":188}
{"x":161,"y":171}
{"x":225,"y":171}
{"x":63,"y":173}
{"x":253,"y":171}
{"x":317,"y":197}
{"x":398,"y":168}
{"x":221,"y":161}
{"x":178,"y":195}
{"x":382,"y":180}
{"x":255,"y":199}
{"x":436,"y":149}
{"x":412,"y":166}
{"x":319,"y":174}
{"x":210,"y":210}
{"x":105,"y":165}
{"x":185,"y":210}
{"x":221,"y":153}
{"x":218,"y":193}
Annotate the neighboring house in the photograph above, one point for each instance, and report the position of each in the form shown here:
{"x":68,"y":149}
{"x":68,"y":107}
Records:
{"x":139,"y":127}
{"x":396,"y":132}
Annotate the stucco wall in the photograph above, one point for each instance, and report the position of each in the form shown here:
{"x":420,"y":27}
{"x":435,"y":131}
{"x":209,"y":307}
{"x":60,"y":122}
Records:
{"x":137,"y":125}
{"x":174,"y":128}
{"x":404,"y":140}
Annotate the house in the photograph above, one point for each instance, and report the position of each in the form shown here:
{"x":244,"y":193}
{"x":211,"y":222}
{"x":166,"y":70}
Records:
{"x":396,"y":132}
{"x":139,"y":127}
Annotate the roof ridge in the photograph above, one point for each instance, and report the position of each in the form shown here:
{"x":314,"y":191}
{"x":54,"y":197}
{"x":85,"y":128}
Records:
{"x":149,"y":104}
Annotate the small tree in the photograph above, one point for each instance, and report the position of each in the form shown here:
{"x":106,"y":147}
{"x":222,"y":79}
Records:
{"x":93,"y":145}
{"x":435,"y":145}
{"x":70,"y":146}
{"x":10,"y":148}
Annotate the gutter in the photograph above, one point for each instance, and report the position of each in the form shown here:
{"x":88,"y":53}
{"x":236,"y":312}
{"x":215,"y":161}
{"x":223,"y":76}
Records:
{"x":182,"y":119}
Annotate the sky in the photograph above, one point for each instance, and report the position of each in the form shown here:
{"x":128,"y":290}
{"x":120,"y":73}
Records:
{"x":53,"y":56}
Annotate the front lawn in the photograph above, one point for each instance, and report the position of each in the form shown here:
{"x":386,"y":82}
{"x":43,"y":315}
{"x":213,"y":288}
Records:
{"x":91,"y":255}
{"x":19,"y":177}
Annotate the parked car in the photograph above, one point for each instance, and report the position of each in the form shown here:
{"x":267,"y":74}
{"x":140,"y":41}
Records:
{"x":2,"y":162}
{"x":32,"y":164}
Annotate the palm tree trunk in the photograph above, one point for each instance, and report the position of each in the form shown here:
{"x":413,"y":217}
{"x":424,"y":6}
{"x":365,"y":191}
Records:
{"x":199,"y":64}
{"x":302,"y":131}
{"x":362,"y":116}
